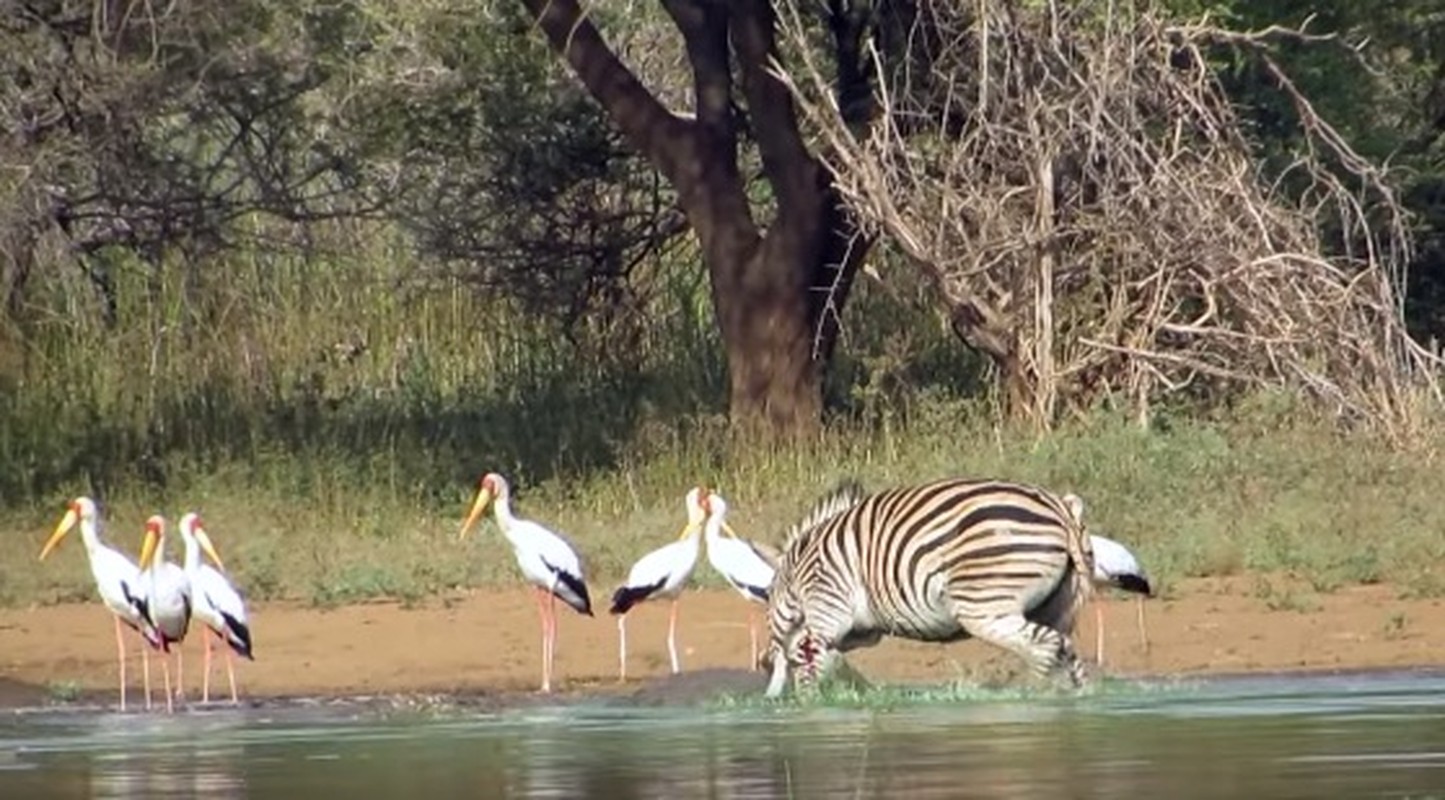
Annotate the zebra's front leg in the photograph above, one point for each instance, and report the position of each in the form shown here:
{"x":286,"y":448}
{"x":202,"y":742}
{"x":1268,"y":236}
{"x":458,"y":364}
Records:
{"x":1045,"y":650}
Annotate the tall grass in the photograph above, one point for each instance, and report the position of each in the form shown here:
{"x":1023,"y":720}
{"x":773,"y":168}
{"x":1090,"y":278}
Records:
{"x":330,"y":417}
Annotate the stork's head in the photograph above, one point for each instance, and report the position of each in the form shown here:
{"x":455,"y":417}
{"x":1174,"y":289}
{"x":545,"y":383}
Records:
{"x":81,"y":508}
{"x":151,"y":545}
{"x":491,"y":488}
{"x":716,"y":509}
{"x":84,"y":507}
{"x":696,"y":503}
{"x":713,"y":504}
{"x":193,"y":527}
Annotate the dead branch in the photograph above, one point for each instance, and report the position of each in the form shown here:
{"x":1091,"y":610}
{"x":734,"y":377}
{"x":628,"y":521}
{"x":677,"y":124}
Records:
{"x":1076,"y":185}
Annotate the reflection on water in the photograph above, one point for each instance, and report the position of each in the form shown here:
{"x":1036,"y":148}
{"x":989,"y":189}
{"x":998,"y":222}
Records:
{"x":1381,"y":735}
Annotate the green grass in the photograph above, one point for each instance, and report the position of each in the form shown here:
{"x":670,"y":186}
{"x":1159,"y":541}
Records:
{"x":1197,"y":500}
{"x":330,"y":419}
{"x":886,"y":697}
{"x":66,"y":691}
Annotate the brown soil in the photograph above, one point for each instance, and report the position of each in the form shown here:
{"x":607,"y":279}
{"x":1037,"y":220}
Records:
{"x":487,"y":643}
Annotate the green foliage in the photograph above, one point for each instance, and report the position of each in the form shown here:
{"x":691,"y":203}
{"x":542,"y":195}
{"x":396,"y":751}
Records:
{"x":332,"y":428}
{"x":267,"y":352}
{"x":506,"y":172}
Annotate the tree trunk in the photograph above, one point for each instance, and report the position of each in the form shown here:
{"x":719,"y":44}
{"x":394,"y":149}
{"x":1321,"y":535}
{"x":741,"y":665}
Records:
{"x":776,"y":292}
{"x":764,"y":315}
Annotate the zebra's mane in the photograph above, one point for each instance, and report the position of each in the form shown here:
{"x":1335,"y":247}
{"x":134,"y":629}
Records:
{"x":843,"y":496}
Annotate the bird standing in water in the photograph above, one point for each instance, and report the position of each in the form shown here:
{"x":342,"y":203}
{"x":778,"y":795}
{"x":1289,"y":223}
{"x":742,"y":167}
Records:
{"x":168,"y":599}
{"x":117,"y":579}
{"x":216,"y":603}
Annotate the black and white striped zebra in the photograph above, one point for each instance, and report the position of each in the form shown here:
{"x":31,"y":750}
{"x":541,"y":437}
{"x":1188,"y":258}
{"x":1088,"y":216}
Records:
{"x":939,"y":561}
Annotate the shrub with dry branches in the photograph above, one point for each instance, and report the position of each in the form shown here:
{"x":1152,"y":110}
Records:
{"x":1081,"y":192}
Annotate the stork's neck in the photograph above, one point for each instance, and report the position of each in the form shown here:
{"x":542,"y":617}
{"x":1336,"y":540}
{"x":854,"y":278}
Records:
{"x":90,"y":534}
{"x":160,"y":555}
{"x":713,"y":528}
{"x":694,"y":538}
{"x":193,"y":552}
{"x":503,"y":504}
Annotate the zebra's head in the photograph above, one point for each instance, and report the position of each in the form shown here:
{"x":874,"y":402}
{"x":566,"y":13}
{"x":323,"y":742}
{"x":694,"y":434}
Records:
{"x":787,"y":647}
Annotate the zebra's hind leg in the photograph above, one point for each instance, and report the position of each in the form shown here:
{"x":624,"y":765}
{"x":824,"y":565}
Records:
{"x":1045,"y":650}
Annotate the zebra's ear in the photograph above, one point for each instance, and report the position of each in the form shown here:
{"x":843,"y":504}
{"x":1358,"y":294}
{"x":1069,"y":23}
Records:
{"x":1076,"y":506}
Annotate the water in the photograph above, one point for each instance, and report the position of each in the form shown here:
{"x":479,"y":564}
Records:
{"x":1364,"y":735}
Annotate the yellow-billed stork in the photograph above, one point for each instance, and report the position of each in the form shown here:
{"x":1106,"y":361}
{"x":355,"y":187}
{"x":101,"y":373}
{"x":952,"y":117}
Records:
{"x":168,"y":598}
{"x":215,"y":602}
{"x":117,"y":579}
{"x":1116,"y":566}
{"x":547,"y":559}
{"x":660,"y":575}
{"x":747,"y":566}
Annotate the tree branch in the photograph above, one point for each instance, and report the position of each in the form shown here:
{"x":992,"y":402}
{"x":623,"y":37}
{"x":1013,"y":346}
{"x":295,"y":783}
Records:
{"x":660,"y":135}
{"x":704,"y":29}
{"x":791,"y":169}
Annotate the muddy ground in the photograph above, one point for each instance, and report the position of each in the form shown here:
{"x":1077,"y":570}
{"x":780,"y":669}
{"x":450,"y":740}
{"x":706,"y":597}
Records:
{"x":484,"y":646}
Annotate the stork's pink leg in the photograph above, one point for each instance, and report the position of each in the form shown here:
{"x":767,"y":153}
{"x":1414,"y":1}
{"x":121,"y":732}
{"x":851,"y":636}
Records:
{"x":180,"y":670}
{"x":753,"y":636}
{"x":1098,"y":632}
{"x":166,"y":665}
{"x":1143,"y":632}
{"x":145,"y":652}
{"x":206,"y":680}
{"x":230,"y":672}
{"x":120,"y":650}
{"x":542,"y":614}
{"x":621,"y":648}
{"x":672,"y":636}
{"x":551,"y":637}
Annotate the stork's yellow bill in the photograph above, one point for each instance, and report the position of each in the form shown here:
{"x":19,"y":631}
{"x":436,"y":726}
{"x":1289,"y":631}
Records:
{"x":485,"y":495}
{"x":204,"y":540}
{"x":148,"y":545}
{"x":72,"y":516}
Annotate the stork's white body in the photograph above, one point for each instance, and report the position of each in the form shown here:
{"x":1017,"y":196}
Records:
{"x":117,"y":581}
{"x":547,"y":560}
{"x":168,"y":600}
{"x":660,"y":575}
{"x":742,"y":563}
{"x":1116,"y":566}
{"x":216,"y":603}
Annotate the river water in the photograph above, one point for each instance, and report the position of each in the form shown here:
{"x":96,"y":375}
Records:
{"x":1360,"y":735}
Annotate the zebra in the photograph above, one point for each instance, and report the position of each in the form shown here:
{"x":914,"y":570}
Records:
{"x":939,"y":561}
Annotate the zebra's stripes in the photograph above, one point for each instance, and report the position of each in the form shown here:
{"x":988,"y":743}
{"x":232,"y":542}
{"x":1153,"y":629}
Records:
{"x":940,"y":561}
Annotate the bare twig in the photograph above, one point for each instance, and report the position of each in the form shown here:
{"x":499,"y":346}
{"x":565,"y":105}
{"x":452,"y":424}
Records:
{"x":1094,"y":219}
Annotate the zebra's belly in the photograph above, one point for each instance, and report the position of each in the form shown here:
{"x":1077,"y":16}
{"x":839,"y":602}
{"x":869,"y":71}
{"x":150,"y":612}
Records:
{"x":1038,"y":592}
{"x":935,"y":623}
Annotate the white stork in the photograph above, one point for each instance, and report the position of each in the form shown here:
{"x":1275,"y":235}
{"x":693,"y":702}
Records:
{"x":216,"y":603}
{"x":168,"y":598}
{"x":547,"y":560}
{"x":117,"y":579}
{"x":660,"y":575}
{"x":1115,"y":566}
{"x":747,"y":566}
